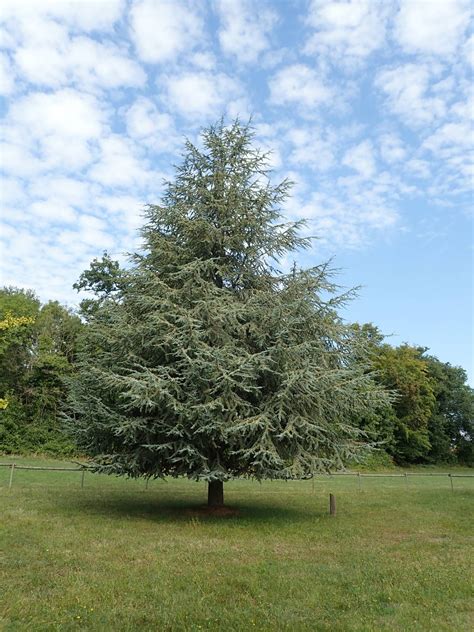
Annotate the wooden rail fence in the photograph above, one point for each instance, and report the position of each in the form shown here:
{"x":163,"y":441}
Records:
{"x":360,"y":475}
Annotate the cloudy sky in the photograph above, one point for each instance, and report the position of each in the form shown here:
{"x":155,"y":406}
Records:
{"x":366,"y":106}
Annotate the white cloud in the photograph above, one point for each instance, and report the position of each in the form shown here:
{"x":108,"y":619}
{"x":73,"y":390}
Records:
{"x":343,"y":211}
{"x":418,"y":168}
{"x":199,"y":94}
{"x":68,"y":190}
{"x":163,"y":29}
{"x":155,"y":129}
{"x":68,"y":113}
{"x":361,"y":158}
{"x":240,"y":108}
{"x":391,"y":148}
{"x":245,"y":26}
{"x":119,"y":164}
{"x":126,"y":211}
{"x":34,"y":30}
{"x":54,"y":211}
{"x":12,"y":193}
{"x":347,"y":32}
{"x":407,"y":89}
{"x":93,"y":15}
{"x":463,"y":110}
{"x":39,"y":34}
{"x":41,"y":65}
{"x":434,"y":28}
{"x":18,"y":160}
{"x":46,"y":257}
{"x":7,"y":40}
{"x":6,"y":75}
{"x":143,"y":118}
{"x":203,"y":60}
{"x":346,"y":217}
{"x":299,"y":84}
{"x":449,"y":136}
{"x":89,"y":237}
{"x":468,"y":51}
{"x":451,"y":144}
{"x":312,"y":147}
{"x":91,"y":222}
{"x":82,"y":61}
{"x":102,"y":65}
{"x":51,"y":130}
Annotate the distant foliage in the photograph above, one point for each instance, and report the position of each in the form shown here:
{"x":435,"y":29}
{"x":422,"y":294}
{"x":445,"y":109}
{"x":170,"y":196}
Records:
{"x":451,"y":425}
{"x":431,"y":419}
{"x":37,"y":350}
{"x":403,"y":370}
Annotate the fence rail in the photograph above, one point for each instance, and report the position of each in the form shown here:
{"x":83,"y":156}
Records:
{"x":84,"y":468}
{"x":37,"y":467}
{"x":365,"y":474}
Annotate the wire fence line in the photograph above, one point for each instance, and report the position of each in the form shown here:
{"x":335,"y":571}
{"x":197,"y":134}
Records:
{"x":85,"y":468}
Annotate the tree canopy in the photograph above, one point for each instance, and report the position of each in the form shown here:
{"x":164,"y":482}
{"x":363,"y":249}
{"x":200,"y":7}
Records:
{"x":206,"y":360}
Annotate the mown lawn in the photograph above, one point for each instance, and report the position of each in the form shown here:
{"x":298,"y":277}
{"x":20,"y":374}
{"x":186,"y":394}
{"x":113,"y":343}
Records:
{"x":116,"y":556}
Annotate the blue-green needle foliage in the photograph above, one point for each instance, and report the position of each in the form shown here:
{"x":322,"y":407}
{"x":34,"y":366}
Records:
{"x":204,"y":360}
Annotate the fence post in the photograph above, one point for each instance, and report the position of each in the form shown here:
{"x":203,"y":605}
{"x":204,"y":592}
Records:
{"x":147,"y":480}
{"x":10,"y":482}
{"x":406,"y":480}
{"x":82,"y":478}
{"x":332,"y":505}
{"x":451,"y":479}
{"x":358,"y":479}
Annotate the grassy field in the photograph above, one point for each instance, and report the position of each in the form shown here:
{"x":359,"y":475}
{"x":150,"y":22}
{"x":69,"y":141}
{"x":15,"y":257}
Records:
{"x":116,"y":556}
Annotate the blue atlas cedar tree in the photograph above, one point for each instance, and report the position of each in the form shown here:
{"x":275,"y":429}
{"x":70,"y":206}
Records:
{"x":203,"y":360}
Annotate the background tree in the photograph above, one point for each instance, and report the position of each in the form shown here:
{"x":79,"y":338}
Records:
{"x":19,"y":310}
{"x":451,"y":426}
{"x":103,"y":279}
{"x":378,"y":423}
{"x":208,"y":362}
{"x":431,"y":419}
{"x":37,"y":349}
{"x":403,"y":369}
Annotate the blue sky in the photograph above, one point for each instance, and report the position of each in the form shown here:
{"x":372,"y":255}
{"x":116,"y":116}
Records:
{"x":367,"y":106}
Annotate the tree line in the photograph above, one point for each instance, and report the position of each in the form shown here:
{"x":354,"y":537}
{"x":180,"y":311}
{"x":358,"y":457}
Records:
{"x":430,"y":419}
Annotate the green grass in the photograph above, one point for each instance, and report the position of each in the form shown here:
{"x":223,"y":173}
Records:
{"x":115,"y":556}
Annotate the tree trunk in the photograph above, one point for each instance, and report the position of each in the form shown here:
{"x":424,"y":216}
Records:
{"x":215,"y":494}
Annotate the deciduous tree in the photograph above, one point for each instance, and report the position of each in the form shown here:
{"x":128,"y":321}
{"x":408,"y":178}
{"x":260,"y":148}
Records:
{"x":403,"y":370}
{"x":451,"y":427}
{"x":37,"y":350}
